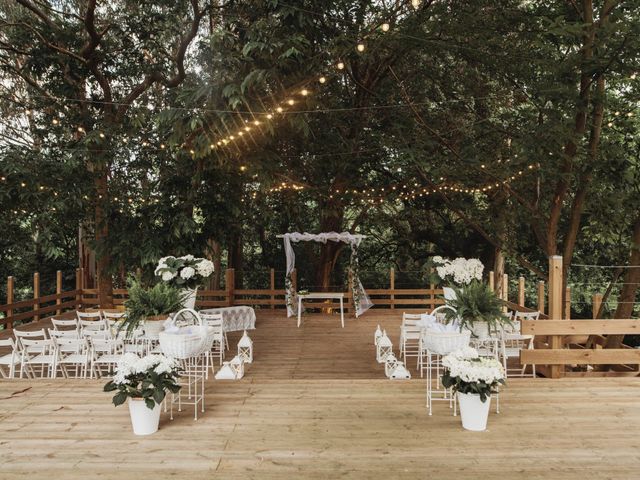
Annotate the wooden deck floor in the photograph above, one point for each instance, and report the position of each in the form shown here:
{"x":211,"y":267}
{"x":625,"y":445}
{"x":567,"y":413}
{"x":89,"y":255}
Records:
{"x":315,"y":404}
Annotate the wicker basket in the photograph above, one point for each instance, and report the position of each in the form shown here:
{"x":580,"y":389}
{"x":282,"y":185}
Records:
{"x":443,"y":343}
{"x":189,"y":341}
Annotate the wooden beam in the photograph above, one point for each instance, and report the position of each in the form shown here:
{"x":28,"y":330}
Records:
{"x":596,"y":303}
{"x":492,"y":281}
{"x":601,"y":356}
{"x":521,"y":300}
{"x":555,"y":306}
{"x":272,"y":286}
{"x":36,"y":294}
{"x":9,"y":313}
{"x":581,"y":327}
{"x":58,"y":291}
{"x":567,"y":303}
{"x":230,"y":284}
{"x":541,"y":298}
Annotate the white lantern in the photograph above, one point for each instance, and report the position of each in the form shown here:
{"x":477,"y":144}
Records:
{"x":245,"y":348}
{"x":385,"y":347}
{"x":233,"y":370}
{"x":377,"y":335}
{"x":400,"y":372}
{"x":390,"y":364}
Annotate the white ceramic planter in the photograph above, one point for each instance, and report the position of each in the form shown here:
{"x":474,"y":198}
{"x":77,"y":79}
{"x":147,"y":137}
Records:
{"x":480,"y":330}
{"x":152,"y":328}
{"x":143,"y":420}
{"x":190,"y":300}
{"x":473,"y":411}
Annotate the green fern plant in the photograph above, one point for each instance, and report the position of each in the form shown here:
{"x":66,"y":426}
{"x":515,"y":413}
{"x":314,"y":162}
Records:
{"x":475,"y":303}
{"x":145,"y":302}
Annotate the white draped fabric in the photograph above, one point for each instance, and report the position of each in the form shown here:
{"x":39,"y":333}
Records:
{"x":361,"y":299}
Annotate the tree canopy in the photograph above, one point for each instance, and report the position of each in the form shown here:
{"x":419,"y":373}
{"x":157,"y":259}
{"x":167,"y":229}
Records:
{"x":501,"y":129}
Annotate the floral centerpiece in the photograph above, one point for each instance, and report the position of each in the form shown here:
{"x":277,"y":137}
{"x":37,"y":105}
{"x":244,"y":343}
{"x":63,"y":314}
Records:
{"x":474,"y":379}
{"x":144,"y":382}
{"x":460,"y":271}
{"x":187,"y":272}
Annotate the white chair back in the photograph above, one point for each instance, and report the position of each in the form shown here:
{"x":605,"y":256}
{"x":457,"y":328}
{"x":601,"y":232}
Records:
{"x":24,"y":335}
{"x":62,"y":324}
{"x":89,"y":315}
{"x":88,"y":325}
{"x":64,"y":333}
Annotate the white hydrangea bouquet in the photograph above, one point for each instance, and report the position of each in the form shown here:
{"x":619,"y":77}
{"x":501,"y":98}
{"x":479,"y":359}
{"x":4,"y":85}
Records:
{"x":147,"y":378}
{"x":467,"y":372}
{"x":184,"y":272}
{"x":460,"y":271}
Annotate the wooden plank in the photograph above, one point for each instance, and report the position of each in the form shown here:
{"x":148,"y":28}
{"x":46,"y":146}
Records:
{"x":596,"y":303}
{"x":36,"y":294}
{"x":601,"y":356}
{"x":42,"y":310}
{"x":541,"y":297}
{"x":521,"y":290}
{"x":492,"y":281}
{"x":392,"y":286}
{"x":9,"y":312}
{"x":555,"y":305}
{"x":58,"y":290}
{"x":272,"y":284}
{"x":581,"y":327}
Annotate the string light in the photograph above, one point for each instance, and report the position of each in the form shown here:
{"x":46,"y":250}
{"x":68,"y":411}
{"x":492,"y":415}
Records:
{"x":360,"y":47}
{"x":304,"y":92}
{"x":322,"y":80}
{"x":340,"y":65}
{"x":416,"y":3}
{"x":291,"y":101}
{"x":385,"y":27}
{"x":55,"y":121}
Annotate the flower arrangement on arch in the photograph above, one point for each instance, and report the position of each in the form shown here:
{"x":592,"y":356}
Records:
{"x":184,"y":272}
{"x":467,"y":372}
{"x":460,"y":271}
{"x":147,"y":378}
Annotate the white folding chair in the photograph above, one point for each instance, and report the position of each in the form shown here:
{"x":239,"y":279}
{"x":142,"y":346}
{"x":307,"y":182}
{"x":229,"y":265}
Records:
{"x":64,"y":324}
{"x":217,"y":349}
{"x":112,"y":318}
{"x":410,"y":333}
{"x":105,"y":354}
{"x":95,"y":316}
{"x":512,"y":342}
{"x":73,"y":352}
{"x":92,"y":326}
{"x":10,"y":359}
{"x":35,"y":349}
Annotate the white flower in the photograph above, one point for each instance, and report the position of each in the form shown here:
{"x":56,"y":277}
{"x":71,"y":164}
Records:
{"x":437,"y":259}
{"x":188,"y":258}
{"x":167,"y":276}
{"x":204,"y":267}
{"x":187,"y":272}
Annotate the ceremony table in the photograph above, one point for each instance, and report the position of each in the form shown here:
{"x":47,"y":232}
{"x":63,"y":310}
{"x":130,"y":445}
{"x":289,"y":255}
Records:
{"x":235,"y":318}
{"x":321,"y":296}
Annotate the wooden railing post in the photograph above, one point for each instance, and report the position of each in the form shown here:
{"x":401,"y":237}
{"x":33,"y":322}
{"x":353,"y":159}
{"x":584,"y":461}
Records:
{"x":521,"y":300}
{"x":492,"y":281}
{"x":541,"y":296}
{"x":596,"y":303}
{"x":294,"y":279}
{"x":230,"y":283}
{"x":58,"y":290}
{"x":432,"y":287}
{"x":392,"y":286}
{"x":505,"y":290}
{"x":78,"y":288}
{"x":555,"y":306}
{"x":36,"y":295}
{"x":272,"y":287}
{"x":567,"y":303}
{"x":9,"y":313}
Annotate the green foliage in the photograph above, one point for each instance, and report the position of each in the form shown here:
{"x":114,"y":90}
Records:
{"x":475,"y":303}
{"x":144,"y":301}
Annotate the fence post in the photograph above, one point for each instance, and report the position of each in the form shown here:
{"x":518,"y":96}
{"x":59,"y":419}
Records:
{"x":555,"y":306}
{"x":541,"y":296}
{"x":432,"y":287}
{"x":521,"y":300}
{"x":36,"y":295}
{"x":567,"y":303}
{"x":272,"y":286}
{"x":230,"y":283}
{"x":9,"y":323}
{"x":505,"y":290}
{"x":78,"y":288}
{"x":392,"y":286}
{"x":596,"y":303}
{"x":492,"y":281}
{"x":58,"y":290}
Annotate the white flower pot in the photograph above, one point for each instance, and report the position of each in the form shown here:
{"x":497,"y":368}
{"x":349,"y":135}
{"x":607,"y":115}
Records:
{"x":480,"y":330}
{"x":190,"y":300}
{"x":473,"y":411}
{"x":144,"y":420}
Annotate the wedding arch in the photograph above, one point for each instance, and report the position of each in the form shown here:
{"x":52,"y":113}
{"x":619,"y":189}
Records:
{"x":361,"y":300}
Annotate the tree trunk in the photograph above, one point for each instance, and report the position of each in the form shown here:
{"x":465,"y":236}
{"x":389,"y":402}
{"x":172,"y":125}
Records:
{"x":105,"y":280}
{"x":214,"y":254}
{"x":630,"y":286}
{"x":330,"y":222}
{"x":235,"y":257}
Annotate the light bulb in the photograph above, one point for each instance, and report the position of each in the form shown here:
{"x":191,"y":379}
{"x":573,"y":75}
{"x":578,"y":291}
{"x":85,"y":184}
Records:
{"x":385,"y":27}
{"x":240,"y":133}
{"x":360,"y":47}
{"x":269,"y":116}
{"x":247,"y":129}
{"x":304,"y":92}
{"x":340,"y":65}
{"x":243,"y":168}
{"x":162,"y":146}
{"x":290,"y":101}
{"x":610,"y":124}
{"x":54,"y":121}
{"x":101,"y":135}
{"x":80,"y":129}
{"x":256,"y":122}
{"x":279,"y":109}
{"x":416,"y":3}
{"x":322,"y":80}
